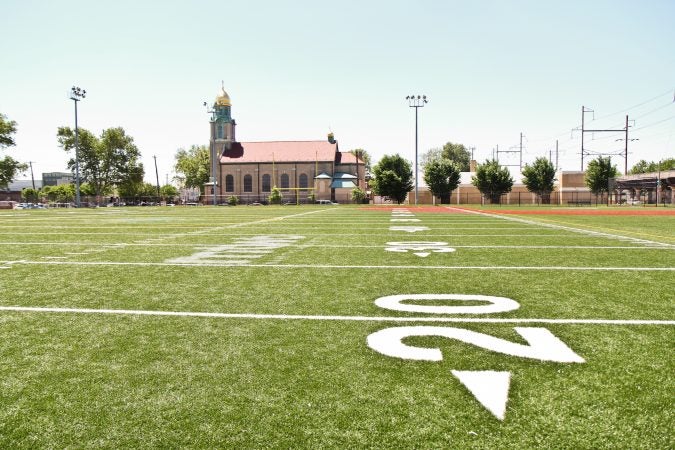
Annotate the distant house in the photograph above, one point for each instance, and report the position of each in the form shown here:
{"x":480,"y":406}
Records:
{"x":301,"y":169}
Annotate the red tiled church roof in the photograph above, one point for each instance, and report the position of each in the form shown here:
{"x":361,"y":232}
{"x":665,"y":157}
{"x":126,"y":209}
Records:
{"x":281,"y":151}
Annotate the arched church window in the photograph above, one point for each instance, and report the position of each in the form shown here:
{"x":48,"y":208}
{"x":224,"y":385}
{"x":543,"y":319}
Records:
{"x":248,"y":183}
{"x":220,"y":131}
{"x":266,"y":183}
{"x":302,"y":181}
{"x":284,"y":181}
{"x":229,"y":183}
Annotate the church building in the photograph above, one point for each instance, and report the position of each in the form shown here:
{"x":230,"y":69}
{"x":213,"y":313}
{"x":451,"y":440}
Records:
{"x":305,"y":171}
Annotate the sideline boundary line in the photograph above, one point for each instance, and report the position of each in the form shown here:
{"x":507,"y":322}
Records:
{"x":329,"y":266}
{"x":563,"y":227}
{"x":334,"y":318}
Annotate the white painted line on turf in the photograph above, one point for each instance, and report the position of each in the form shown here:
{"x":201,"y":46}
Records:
{"x":274,"y":219}
{"x":334,"y":318}
{"x":563,"y":227}
{"x":197,"y":244}
{"x":329,"y":266}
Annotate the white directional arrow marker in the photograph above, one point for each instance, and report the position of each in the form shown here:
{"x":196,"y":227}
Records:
{"x":422,"y":254}
{"x":490,"y":388}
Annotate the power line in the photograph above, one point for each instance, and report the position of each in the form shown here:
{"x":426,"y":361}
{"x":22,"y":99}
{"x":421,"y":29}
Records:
{"x":635,"y":106}
{"x":655,"y":123}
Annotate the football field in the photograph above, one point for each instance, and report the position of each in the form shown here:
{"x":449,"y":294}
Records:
{"x":336,"y":326}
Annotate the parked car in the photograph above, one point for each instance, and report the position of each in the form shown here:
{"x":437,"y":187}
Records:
{"x":325,"y":202}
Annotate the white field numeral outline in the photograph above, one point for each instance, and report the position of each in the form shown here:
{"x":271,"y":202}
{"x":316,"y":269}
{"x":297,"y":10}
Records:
{"x":490,"y":388}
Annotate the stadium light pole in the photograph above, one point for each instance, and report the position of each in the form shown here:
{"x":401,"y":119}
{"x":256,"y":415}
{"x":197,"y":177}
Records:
{"x":416,"y":102}
{"x":77,"y":94}
{"x":212,"y":153}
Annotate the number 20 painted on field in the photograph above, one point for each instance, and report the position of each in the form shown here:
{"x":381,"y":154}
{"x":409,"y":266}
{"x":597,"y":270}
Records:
{"x":542,"y":344}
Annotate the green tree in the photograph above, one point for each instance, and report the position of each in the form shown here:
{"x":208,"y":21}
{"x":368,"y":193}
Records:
{"x":30,"y":195}
{"x":132,"y":185}
{"x":458,"y":154}
{"x":442,"y":176}
{"x":643,"y":166}
{"x":148,"y":190}
{"x":539,"y":178}
{"x":393,"y":178}
{"x":169,"y":191}
{"x":87,"y":189}
{"x":63,"y":193}
{"x":433,"y":154}
{"x":193,"y":164}
{"x":7,"y":130}
{"x":358,"y":195}
{"x":104,"y":162}
{"x":362,"y":155}
{"x":9,"y":167}
{"x":492,"y":180}
{"x":598,"y":174}
{"x":275,"y":196}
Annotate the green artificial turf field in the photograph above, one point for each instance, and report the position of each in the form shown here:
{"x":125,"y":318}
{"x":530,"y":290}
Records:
{"x":269,"y":327}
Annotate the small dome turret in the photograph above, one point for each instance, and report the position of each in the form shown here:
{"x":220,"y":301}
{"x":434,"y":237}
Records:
{"x":223,"y":99}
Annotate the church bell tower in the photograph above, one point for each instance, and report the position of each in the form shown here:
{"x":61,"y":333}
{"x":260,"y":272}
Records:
{"x":222,"y":123}
{"x":222,"y":137}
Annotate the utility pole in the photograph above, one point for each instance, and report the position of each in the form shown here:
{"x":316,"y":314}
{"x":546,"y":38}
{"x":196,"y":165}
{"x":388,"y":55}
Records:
{"x":157,"y":176}
{"x":556,"y":154}
{"x":520,"y":151}
{"x":625,"y":157}
{"x":31,"y":173}
{"x":584,"y":130}
{"x":583,"y":110}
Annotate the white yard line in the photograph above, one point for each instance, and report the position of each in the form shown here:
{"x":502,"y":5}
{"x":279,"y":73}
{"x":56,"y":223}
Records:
{"x":335,"y":318}
{"x":274,"y":219}
{"x":564,"y":227}
{"x":345,"y":266}
{"x":197,"y":244}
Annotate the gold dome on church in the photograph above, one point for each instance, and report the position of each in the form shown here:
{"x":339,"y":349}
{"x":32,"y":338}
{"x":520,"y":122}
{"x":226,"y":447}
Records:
{"x":223,"y":99}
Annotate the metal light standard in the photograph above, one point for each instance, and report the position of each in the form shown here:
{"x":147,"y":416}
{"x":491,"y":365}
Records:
{"x":416,"y":102}
{"x":212,"y":151}
{"x":77,"y":94}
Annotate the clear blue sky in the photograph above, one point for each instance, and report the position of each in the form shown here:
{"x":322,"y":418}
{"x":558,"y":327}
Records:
{"x":491,"y":70}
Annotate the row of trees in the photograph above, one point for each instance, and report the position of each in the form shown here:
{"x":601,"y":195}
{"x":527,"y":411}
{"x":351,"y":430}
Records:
{"x":65,"y":193}
{"x":643,"y":166}
{"x":442,"y":168}
{"x":109,"y":163}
